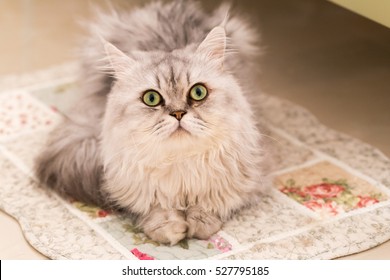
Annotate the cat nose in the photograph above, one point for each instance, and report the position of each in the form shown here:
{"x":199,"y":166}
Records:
{"x":178,"y":114}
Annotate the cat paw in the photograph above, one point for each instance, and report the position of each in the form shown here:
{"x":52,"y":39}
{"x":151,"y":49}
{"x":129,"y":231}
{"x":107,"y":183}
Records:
{"x":170,"y":230}
{"x":202,"y":225}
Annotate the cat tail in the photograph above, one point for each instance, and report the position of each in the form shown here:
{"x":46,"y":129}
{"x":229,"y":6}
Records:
{"x":70,"y":162}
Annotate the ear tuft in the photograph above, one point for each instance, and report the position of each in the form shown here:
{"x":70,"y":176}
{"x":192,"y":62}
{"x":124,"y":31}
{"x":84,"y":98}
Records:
{"x":118,"y":61}
{"x":214,"y":45}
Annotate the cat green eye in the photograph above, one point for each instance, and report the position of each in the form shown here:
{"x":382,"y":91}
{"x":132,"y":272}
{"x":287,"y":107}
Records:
{"x":152,"y":98}
{"x":198,"y":92}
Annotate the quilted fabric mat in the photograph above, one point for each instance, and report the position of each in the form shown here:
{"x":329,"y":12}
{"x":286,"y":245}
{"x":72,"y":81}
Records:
{"x":329,"y":198}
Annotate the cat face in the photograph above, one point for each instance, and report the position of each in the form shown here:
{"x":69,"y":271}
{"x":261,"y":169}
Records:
{"x":180,"y":100}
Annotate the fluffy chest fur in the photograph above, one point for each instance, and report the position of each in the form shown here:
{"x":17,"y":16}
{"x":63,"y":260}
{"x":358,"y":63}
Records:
{"x":217,"y":180}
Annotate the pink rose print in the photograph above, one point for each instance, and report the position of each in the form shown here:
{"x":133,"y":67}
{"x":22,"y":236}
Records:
{"x":366,"y":201}
{"x":313,"y":205}
{"x":324,"y":190}
{"x":328,"y":208}
{"x":140,"y":255}
{"x":102,"y":213}
{"x":290,"y":190}
{"x":330,"y":197}
{"x":220,"y":243}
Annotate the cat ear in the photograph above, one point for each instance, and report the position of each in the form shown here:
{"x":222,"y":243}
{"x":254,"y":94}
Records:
{"x":214,"y":45}
{"x":118,"y":61}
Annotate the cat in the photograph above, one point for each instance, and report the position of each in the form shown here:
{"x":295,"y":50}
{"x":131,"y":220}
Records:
{"x":164,"y":130}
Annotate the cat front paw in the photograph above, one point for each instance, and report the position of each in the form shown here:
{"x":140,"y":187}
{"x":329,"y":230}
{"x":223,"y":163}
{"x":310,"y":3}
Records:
{"x":165,"y":226}
{"x":202,"y":224}
{"x":170,"y":232}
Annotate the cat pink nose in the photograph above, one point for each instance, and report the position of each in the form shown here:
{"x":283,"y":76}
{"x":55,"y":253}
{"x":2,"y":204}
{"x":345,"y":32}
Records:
{"x":178,"y":114}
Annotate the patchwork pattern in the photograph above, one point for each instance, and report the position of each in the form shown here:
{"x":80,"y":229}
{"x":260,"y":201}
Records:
{"x":47,"y":224}
{"x":27,"y":147}
{"x":328,"y":190}
{"x":123,"y":230}
{"x":287,"y":154}
{"x":59,"y":98}
{"x":316,"y":208}
{"x":132,"y":238}
{"x":337,"y":237}
{"x":21,"y":113}
{"x":304,"y":127}
{"x":268,"y":218}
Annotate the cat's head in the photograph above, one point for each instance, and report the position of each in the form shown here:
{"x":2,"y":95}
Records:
{"x":185,"y":100}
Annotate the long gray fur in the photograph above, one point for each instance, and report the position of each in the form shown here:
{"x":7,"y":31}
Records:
{"x":71,"y":163}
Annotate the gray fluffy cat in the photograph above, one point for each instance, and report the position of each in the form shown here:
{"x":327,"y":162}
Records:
{"x":164,"y":130}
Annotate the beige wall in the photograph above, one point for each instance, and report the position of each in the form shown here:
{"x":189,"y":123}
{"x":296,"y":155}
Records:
{"x":377,"y":10}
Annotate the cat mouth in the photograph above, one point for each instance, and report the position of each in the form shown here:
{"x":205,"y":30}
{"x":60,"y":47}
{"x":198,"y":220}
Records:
{"x":180,"y":131}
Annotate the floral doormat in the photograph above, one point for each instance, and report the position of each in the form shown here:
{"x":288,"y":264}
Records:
{"x":329,"y":196}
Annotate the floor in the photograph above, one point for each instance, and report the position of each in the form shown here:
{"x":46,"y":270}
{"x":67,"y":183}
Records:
{"x":323,"y":57}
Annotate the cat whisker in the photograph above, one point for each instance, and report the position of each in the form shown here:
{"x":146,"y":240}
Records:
{"x":201,"y":123}
{"x":147,"y":129}
{"x":159,"y":127}
{"x":162,"y":130}
{"x":199,"y":126}
{"x":272,"y":138}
